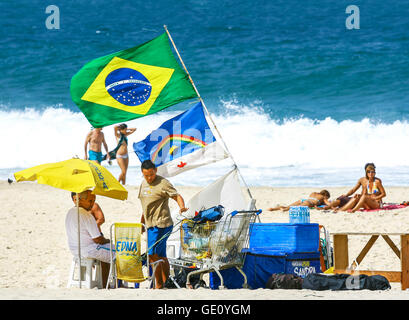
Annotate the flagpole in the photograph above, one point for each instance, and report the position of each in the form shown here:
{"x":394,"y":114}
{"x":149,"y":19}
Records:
{"x":207,"y":111}
{"x":77,"y":200}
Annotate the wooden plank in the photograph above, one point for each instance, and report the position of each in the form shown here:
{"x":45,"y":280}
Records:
{"x":391,"y":244}
{"x":369,"y":233}
{"x":365,"y":250}
{"x":392,"y":276}
{"x":404,"y":260}
{"x":340,"y":251}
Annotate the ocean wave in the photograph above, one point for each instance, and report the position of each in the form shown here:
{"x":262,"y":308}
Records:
{"x":255,"y":140}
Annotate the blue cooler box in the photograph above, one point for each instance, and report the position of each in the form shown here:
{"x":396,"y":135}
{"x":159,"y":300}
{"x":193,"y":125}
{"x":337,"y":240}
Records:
{"x":259,"y":265}
{"x":275,"y":248}
{"x":286,"y":237}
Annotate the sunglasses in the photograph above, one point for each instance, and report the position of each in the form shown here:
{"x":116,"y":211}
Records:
{"x":371,"y":171}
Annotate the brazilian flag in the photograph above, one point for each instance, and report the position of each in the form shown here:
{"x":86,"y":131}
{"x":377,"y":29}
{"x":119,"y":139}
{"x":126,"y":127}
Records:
{"x":130,"y":84}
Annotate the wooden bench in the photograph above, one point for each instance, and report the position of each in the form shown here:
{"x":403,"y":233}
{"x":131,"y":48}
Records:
{"x":341,"y":259}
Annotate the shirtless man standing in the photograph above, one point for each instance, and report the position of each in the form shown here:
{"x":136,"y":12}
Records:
{"x":95,"y":138}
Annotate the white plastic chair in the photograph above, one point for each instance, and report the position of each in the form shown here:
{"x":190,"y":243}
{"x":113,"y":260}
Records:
{"x":90,"y":270}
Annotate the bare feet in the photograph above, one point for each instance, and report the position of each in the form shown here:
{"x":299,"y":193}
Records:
{"x":275,"y":209}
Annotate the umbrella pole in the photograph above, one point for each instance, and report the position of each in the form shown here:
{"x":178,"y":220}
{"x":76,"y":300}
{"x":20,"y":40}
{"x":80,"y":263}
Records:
{"x":79,"y":239}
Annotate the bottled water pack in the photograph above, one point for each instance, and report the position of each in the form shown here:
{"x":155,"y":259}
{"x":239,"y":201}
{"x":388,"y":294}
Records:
{"x":299,"y":214}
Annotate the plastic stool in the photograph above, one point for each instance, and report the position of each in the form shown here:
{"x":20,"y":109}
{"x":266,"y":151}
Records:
{"x":93,"y":277}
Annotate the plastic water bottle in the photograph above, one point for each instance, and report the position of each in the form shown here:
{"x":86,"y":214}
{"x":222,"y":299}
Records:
{"x":294,"y":214}
{"x":291,"y":214}
{"x":302,"y":215}
{"x":305,"y":214}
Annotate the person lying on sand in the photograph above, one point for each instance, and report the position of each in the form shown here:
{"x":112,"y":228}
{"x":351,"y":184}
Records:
{"x":335,"y":204}
{"x":315,"y":199}
{"x":371,"y":195}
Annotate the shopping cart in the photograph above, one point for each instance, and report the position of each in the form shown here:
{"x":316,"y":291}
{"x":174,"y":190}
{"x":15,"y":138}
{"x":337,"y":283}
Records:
{"x":214,"y":246}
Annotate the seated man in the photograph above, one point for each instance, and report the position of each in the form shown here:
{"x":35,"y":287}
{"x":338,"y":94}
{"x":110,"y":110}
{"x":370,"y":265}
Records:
{"x":93,"y":244}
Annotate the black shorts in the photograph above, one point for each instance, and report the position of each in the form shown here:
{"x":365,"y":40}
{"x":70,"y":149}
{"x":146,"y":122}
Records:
{"x":343,"y":200}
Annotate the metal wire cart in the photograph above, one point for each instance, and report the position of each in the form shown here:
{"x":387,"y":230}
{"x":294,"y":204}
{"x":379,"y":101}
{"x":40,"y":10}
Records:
{"x":214,"y":246}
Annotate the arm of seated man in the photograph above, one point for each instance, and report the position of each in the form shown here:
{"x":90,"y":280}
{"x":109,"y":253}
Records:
{"x":100,"y":240}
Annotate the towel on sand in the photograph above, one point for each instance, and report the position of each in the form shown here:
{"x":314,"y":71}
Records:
{"x":387,"y":206}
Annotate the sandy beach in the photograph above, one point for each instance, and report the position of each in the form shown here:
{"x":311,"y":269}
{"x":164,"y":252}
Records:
{"x":35,"y":259}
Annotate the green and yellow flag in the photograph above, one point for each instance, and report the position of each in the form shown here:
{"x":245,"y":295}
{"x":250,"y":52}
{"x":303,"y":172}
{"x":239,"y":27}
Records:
{"x":130,"y":84}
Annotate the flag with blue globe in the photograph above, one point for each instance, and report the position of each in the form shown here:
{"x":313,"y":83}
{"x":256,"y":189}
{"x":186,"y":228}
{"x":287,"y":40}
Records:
{"x":130,"y":84}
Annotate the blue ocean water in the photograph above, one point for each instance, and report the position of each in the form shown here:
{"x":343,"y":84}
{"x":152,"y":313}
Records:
{"x":298,"y":98}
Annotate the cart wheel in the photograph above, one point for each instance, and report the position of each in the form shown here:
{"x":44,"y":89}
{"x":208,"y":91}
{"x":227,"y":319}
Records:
{"x":200,"y":284}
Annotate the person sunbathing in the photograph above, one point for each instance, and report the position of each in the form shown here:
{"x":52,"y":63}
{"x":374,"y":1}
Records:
{"x":315,"y":199}
{"x":371,"y":195}
{"x":335,"y":204}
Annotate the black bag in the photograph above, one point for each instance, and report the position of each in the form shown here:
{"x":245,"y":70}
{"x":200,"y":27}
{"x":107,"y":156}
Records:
{"x":316,"y":281}
{"x":284,"y":281}
{"x":181,"y":278}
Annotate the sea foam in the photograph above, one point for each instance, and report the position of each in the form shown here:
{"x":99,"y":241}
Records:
{"x":267,"y":151}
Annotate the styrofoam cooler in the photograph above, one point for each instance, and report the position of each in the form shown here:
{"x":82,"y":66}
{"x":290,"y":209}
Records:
{"x":286,"y":237}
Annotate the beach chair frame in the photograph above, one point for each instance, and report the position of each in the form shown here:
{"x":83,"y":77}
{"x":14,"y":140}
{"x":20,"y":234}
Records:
{"x":113,"y":276}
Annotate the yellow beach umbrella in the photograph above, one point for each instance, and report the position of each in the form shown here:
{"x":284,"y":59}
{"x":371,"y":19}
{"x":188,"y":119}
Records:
{"x":75,"y":175}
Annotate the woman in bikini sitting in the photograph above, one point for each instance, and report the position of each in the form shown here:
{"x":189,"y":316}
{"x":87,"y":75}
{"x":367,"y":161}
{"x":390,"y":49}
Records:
{"x":315,"y":199}
{"x":121,"y":133}
{"x":371,"y":195}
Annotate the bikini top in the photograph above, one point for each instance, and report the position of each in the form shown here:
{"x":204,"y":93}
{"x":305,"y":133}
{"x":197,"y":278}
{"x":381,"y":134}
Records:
{"x":121,"y":139}
{"x":374,"y":188}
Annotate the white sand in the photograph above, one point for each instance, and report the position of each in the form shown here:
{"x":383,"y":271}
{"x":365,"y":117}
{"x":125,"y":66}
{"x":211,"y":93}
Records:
{"x":35,"y":260}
